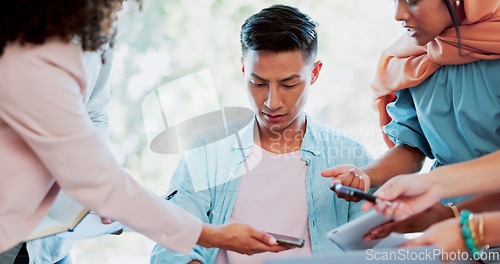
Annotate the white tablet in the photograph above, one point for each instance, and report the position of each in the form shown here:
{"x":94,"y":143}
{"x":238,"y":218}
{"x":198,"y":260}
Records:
{"x":349,"y":236}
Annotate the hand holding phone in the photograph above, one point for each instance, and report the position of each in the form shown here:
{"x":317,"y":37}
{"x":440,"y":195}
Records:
{"x":349,"y":191}
{"x":288,"y":240}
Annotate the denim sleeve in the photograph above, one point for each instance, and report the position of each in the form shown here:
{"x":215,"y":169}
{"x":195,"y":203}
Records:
{"x":405,"y":127}
{"x":49,"y":249}
{"x":100,"y":96}
{"x":190,"y":181}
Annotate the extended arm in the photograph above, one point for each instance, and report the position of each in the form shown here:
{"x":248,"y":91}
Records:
{"x":416,"y":192}
{"x":47,"y":112}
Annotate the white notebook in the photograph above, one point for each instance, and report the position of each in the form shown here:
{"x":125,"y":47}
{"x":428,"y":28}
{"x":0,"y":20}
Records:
{"x":70,"y":219}
{"x":64,"y":214}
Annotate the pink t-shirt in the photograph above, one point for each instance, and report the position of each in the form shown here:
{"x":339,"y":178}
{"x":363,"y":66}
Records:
{"x":272,"y":198}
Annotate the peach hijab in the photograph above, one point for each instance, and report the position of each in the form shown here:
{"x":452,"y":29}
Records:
{"x":404,"y":64}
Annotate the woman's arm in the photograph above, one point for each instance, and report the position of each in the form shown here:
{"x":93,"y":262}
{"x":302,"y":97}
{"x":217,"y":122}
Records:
{"x":447,"y":235}
{"x":401,"y":159}
{"x":481,"y":203}
{"x":436,"y":213}
{"x":414,"y":193}
{"x":480,"y":175}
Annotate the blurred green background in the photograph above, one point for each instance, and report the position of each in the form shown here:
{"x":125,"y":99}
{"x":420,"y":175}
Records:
{"x":173,"y":38}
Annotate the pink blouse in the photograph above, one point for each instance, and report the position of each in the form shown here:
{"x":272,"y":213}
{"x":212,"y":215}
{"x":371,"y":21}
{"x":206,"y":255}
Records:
{"x":47,"y":142}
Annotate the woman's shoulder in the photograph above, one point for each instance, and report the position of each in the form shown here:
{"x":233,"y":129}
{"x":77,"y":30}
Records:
{"x":462,"y":80}
{"x":50,"y":58}
{"x":55,"y":52}
{"x":461,"y":72}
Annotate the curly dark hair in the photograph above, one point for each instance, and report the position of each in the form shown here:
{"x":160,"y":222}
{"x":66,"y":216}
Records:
{"x":34,"y":21}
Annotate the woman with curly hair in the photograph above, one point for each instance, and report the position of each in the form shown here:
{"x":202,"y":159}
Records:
{"x":48,"y":142}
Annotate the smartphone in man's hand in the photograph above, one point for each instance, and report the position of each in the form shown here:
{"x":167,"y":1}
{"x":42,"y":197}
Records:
{"x":288,"y":240}
{"x":353,"y":192}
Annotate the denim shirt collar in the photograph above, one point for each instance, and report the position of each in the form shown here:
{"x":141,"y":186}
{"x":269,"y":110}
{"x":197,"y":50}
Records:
{"x":310,"y":142}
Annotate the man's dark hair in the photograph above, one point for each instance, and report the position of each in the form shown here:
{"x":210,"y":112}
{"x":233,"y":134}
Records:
{"x":280,"y":28}
{"x":34,"y":21}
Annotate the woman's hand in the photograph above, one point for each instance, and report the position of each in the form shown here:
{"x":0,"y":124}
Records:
{"x":410,"y":194}
{"x":238,"y":237}
{"x":348,"y":175}
{"x":446,"y":235}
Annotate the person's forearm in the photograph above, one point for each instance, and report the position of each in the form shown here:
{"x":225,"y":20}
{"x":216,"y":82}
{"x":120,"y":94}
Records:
{"x":481,"y":203}
{"x":238,"y":237}
{"x":209,"y":234}
{"x":475,"y":176}
{"x":401,"y":159}
{"x":491,"y":229}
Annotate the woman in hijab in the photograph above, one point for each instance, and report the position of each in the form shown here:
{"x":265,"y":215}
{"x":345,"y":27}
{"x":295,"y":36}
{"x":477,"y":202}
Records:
{"x":437,"y":93}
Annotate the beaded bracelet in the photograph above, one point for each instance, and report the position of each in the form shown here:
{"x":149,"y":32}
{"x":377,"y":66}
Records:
{"x":468,"y":233}
{"x":473,"y":230}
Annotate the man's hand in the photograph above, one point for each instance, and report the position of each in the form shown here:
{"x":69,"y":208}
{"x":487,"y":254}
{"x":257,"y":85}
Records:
{"x":348,"y":175}
{"x":238,"y":237}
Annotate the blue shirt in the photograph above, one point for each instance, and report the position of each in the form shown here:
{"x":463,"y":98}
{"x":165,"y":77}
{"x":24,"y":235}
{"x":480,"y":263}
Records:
{"x":453,"y":116}
{"x":207,"y":180}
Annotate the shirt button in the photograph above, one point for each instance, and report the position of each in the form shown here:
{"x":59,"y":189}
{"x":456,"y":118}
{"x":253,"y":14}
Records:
{"x":231,"y":174}
{"x":163,"y":238}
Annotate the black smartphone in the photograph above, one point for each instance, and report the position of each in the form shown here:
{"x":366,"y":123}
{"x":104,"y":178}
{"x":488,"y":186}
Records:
{"x":288,"y":240}
{"x":353,"y":192}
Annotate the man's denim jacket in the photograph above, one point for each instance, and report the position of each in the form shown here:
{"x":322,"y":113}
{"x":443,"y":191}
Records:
{"x":207,"y":181}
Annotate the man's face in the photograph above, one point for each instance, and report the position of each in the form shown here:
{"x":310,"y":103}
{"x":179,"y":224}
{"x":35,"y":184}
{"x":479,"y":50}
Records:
{"x":278,"y":85}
